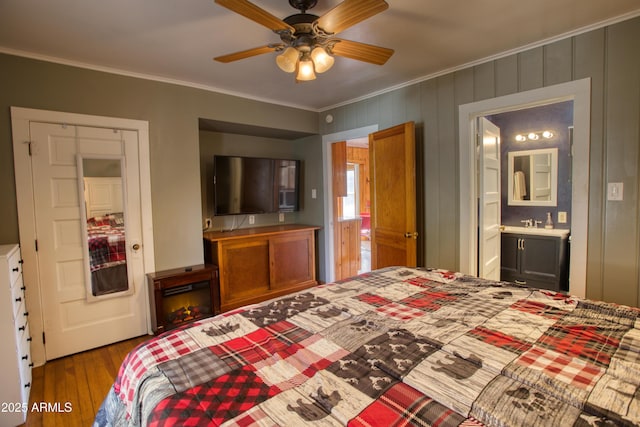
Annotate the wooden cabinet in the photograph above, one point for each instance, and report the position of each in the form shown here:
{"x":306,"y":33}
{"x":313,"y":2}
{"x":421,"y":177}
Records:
{"x":535,"y":261}
{"x":261,"y":263}
{"x":347,"y":248}
{"x":15,"y":375}
{"x":183,"y":295}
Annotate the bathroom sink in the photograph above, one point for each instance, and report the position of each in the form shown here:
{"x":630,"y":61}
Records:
{"x":536,"y":231}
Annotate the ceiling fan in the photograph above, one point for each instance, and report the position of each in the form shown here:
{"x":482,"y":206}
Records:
{"x":307,"y":40}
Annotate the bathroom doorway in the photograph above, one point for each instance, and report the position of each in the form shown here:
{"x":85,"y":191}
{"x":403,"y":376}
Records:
{"x":579,"y":92}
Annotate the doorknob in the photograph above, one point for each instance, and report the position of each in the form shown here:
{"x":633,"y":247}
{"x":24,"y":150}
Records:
{"x":410,"y":235}
{"x":135,"y":246}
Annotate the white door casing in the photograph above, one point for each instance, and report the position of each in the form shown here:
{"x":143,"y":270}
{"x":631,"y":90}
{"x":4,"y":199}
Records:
{"x":56,"y":291}
{"x":580,"y":92}
{"x":489,"y":219}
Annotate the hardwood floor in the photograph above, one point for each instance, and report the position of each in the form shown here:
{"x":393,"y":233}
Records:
{"x":79,"y":382}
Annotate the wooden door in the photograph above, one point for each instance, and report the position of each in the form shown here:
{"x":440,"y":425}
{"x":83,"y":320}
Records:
{"x":489,"y":215}
{"x":339,"y":188}
{"x":393,"y":197}
{"x":75,"y":319}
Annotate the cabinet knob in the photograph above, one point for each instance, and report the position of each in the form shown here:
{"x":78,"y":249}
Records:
{"x":21,"y":261}
{"x":22,"y":328}
{"x":18,"y":299}
{"x":25,"y":357}
{"x":26,"y":313}
{"x":27,"y":385}
{"x":16,"y":269}
{"x":31,"y":365}
{"x":23,"y":288}
{"x":29,"y":339}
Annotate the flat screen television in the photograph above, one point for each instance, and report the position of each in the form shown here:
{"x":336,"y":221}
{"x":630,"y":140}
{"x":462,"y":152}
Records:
{"x":254,"y":185}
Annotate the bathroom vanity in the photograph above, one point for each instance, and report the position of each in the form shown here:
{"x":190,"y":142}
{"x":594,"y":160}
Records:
{"x":535,"y":257}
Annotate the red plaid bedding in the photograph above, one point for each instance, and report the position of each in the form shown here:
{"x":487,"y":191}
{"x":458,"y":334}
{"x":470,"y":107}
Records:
{"x":106,"y":241}
{"x":397,"y":346}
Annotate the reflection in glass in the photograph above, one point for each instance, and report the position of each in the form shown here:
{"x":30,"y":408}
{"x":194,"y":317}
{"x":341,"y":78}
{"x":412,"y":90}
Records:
{"x":105,"y":225}
{"x":287,"y":184}
{"x":533,"y":177}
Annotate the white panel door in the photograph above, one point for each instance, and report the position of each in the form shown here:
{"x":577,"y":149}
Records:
{"x":74,"y":320}
{"x":489,"y":193}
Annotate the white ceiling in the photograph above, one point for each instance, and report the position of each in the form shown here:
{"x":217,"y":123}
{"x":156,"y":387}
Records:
{"x":175,"y":40}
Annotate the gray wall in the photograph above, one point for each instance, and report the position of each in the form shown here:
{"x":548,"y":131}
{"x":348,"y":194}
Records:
{"x":609,"y":56}
{"x":172,"y":112}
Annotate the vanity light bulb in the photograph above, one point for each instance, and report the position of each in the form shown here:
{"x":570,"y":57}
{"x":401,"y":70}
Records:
{"x":532,"y":136}
{"x":521,"y":138}
{"x":547,"y":134}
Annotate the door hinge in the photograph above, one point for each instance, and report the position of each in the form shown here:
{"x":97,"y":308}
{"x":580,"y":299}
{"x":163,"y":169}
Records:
{"x":36,"y":245}
{"x":29,"y":147}
{"x":44,"y":341}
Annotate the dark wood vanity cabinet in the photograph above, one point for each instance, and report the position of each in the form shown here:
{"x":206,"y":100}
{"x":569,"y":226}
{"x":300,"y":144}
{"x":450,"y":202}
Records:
{"x":535,"y":261}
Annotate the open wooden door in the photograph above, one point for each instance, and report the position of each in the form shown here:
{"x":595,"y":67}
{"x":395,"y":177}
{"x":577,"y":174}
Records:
{"x":393,"y":196}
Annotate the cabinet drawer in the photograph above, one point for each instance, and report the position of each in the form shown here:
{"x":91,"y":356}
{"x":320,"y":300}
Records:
{"x":24,"y":359}
{"x":17,"y":297}
{"x":24,"y":353}
{"x":15,"y":267}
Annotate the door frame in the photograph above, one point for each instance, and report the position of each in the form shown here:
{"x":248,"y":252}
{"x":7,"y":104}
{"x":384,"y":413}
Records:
{"x":327,"y":168}
{"x":20,"y":120}
{"x":579,"y":91}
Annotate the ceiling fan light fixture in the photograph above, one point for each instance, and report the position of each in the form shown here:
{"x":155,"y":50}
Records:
{"x":321,"y":59}
{"x":305,"y":70}
{"x":288,"y":60}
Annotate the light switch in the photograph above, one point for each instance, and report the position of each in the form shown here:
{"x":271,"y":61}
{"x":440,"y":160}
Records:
{"x":314,"y":193}
{"x":615,"y":191}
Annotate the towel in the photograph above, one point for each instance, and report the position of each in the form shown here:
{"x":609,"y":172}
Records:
{"x":519,"y":186}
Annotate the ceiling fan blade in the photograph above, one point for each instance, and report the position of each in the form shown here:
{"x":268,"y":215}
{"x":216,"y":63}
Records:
{"x":245,"y":53}
{"x":362,"y":51}
{"x":256,"y":14}
{"x":349,"y":13}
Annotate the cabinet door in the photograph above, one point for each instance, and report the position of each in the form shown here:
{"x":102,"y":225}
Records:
{"x":509,"y":253}
{"x":540,"y":258}
{"x":244,"y":271}
{"x":292,"y":258}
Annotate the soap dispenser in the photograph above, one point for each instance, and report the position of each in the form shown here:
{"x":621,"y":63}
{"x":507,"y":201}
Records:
{"x":549,"y":223}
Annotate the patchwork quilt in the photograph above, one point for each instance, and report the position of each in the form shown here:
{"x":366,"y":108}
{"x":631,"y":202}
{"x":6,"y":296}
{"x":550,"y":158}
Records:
{"x":398,"y":346}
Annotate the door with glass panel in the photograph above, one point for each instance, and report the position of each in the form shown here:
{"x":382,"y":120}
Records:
{"x":88,"y":223}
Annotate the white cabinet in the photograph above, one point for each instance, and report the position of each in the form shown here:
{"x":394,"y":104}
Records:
{"x":15,"y":357}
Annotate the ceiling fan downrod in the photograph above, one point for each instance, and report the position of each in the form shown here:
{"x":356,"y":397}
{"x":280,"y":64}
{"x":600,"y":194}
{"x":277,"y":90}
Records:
{"x":303,"y":5}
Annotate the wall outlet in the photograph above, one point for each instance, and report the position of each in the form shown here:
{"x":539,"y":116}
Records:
{"x":252,"y":219}
{"x":281,"y":217}
{"x":562,"y":217}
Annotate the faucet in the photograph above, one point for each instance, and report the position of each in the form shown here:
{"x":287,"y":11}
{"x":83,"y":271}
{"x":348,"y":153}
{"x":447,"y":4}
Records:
{"x":528,"y":223}
{"x":535,"y":223}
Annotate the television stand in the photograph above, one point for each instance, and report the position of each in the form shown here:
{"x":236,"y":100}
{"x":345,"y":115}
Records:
{"x":256,"y":264}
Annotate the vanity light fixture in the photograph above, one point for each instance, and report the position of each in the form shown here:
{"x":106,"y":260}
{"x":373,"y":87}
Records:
{"x":534,"y":136}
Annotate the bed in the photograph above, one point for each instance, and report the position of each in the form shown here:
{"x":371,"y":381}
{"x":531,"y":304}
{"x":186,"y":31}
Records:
{"x":107,"y":254}
{"x":397,"y":346}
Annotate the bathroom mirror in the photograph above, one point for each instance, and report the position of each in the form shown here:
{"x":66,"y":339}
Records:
{"x":533,"y":177}
{"x":103,"y":218}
